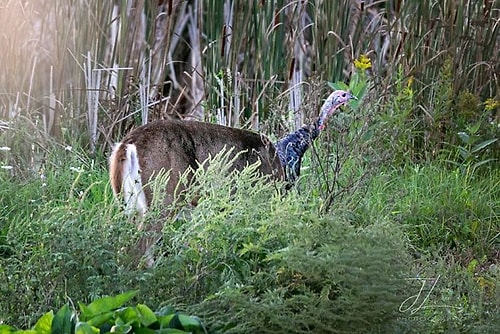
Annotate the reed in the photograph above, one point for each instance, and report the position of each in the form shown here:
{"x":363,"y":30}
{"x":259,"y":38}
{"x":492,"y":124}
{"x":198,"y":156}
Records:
{"x":240,"y":63}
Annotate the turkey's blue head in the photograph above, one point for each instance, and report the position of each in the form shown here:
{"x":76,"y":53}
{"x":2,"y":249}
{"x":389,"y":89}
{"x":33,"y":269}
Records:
{"x":332,"y":103}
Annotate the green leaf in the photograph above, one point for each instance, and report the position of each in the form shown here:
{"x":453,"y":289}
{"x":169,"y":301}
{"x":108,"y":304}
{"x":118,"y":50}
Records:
{"x":165,"y":310}
{"x":338,"y":85}
{"x":475,"y":128}
{"x":4,"y":329}
{"x":44,"y":324}
{"x":121,"y":329}
{"x":464,"y":137}
{"x":85,"y":328}
{"x":101,"y":319}
{"x":359,"y":89}
{"x":483,"y":144}
{"x":165,"y":320}
{"x":480,"y":163}
{"x":144,"y":330}
{"x":471,"y":267}
{"x":190,"y":323}
{"x":84,"y":310}
{"x":106,"y":304}
{"x":171,"y":331}
{"x":146,"y":315}
{"x":128,"y":315}
{"x":464,"y":153}
{"x":62,"y":322}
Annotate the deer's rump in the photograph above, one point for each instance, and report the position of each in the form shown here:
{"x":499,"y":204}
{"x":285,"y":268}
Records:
{"x":174,"y":145}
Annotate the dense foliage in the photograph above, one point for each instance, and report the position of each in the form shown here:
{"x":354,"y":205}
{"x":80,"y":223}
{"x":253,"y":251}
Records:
{"x":249,"y":258}
{"x":109,"y":315}
{"x":393,"y":226}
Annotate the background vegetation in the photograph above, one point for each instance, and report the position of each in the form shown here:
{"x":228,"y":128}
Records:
{"x":393,"y":227}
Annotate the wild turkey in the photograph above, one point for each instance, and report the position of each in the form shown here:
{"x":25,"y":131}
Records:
{"x":293,"y":146}
{"x":175,"y":146}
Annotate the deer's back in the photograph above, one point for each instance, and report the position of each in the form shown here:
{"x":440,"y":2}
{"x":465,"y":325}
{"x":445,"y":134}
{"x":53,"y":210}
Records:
{"x":176,"y":145}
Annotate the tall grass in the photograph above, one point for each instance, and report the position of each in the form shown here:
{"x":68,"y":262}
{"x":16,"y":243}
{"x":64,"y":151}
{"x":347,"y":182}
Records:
{"x":247,"y":258}
{"x":252,"y":61}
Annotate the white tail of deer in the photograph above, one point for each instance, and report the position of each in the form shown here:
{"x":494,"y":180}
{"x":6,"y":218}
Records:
{"x":125,"y":173}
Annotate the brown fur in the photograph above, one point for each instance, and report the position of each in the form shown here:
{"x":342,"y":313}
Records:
{"x":116,"y":168}
{"x":176,"y":145}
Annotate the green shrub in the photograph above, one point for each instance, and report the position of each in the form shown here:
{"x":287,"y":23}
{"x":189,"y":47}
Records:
{"x":330,"y":278}
{"x":108,"y":314}
{"x":248,"y":259}
{"x":61,"y":237}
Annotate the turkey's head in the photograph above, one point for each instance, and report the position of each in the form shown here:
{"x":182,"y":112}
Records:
{"x":332,"y":103}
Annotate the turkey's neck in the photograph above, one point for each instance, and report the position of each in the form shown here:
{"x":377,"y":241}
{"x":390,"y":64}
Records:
{"x":323,"y":116}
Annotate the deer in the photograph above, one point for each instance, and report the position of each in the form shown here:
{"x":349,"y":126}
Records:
{"x":176,"y":146}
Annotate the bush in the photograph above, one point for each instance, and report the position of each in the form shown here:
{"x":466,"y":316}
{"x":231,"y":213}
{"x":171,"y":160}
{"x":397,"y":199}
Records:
{"x":108,"y":314}
{"x":249,"y":259}
{"x":61,"y":238}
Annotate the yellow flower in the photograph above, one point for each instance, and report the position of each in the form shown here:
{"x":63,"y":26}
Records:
{"x":410,"y":81}
{"x":491,"y":104}
{"x":363,"y":63}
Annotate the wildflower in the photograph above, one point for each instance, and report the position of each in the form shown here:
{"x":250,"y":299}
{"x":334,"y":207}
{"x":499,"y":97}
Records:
{"x":410,"y":81}
{"x":363,"y":63}
{"x":75,"y":169}
{"x":491,"y":104}
{"x":409,"y":90}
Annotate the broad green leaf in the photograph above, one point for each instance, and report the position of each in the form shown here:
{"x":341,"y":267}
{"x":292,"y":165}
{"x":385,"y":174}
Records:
{"x":101,"y":319}
{"x":464,"y":137}
{"x":483,"y":144}
{"x":146,"y":315}
{"x":165,"y":320}
{"x":189,"y":323}
{"x":338,"y":85}
{"x":171,"y":331}
{"x":358,"y":89}
{"x":128,"y":315}
{"x":84,"y":311}
{"x":121,"y":329}
{"x":85,"y":328}
{"x":62,"y":321}
{"x":165,"y":310}
{"x":4,"y":329}
{"x":106,"y":304}
{"x":144,"y":330}
{"x":475,"y":128}
{"x":44,"y":324}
